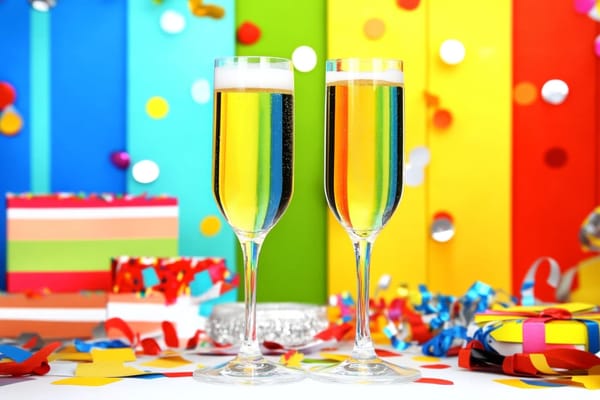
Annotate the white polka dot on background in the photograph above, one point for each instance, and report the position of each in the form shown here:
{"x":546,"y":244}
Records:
{"x":555,"y":91}
{"x":201,"y":91}
{"x":452,"y":51}
{"x":304,"y":58}
{"x":145,"y":171}
{"x":172,"y":22}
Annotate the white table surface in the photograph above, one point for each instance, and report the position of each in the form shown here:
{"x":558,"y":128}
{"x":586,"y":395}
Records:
{"x":467,"y":385}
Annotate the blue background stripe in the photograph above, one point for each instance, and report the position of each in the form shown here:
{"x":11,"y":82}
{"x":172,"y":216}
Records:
{"x":88,"y":95}
{"x":14,"y":68}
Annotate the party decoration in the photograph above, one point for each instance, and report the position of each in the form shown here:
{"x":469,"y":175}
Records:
{"x":210,"y":226}
{"x":248,"y":33}
{"x":525,"y":93}
{"x":10,"y":121}
{"x":120,"y":159}
{"x":408,"y":4}
{"x":555,"y":157}
{"x":145,"y":171}
{"x":7,"y":94}
{"x":157,"y":107}
{"x":172,"y":22}
{"x":64,"y":242}
{"x":452,"y":51}
{"x":535,"y":329}
{"x":42,"y":5}
{"x":442,"y":118}
{"x":199,"y":9}
{"x":555,"y":91}
{"x":26,"y":363}
{"x":374,"y":28}
{"x":442,"y":227}
{"x":304,"y":58}
{"x":201,"y":91}
{"x":51,"y":315}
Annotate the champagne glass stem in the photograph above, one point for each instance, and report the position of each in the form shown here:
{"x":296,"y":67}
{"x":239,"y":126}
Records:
{"x":250,"y":249}
{"x":363,"y":345}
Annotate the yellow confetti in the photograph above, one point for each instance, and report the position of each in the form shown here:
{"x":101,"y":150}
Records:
{"x":426,"y":359}
{"x":293,"y":360}
{"x":210,"y":225}
{"x":86,"y":381}
{"x":333,"y":356}
{"x":518,"y":383}
{"x":167,"y":362}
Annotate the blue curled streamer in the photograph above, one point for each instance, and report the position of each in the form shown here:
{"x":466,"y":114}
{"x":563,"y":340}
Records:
{"x":86,"y":347}
{"x":593,"y":334}
{"x":439,"y":345}
{"x":483,"y":334}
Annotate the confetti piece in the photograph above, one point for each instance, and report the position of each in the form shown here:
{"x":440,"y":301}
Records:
{"x":14,"y":353}
{"x":201,"y":91}
{"x":7,"y":94}
{"x":304,"y":58}
{"x":525,"y":93}
{"x":425,"y":359}
{"x":167,"y":362}
{"x":157,"y":107}
{"x":248,"y":33}
{"x":431,"y":100}
{"x":36,"y":364}
{"x":452,"y":51}
{"x":86,"y":381}
{"x":555,"y":157}
{"x":150,"y":277}
{"x":145,"y":171}
{"x":555,"y":91}
{"x":201,"y":284}
{"x":435,"y":366}
{"x":387,"y":353}
{"x":120,"y":159}
{"x":442,"y":228}
{"x":198,"y":9}
{"x":434,"y":381}
{"x":291,"y":358}
{"x":170,"y":334}
{"x":442,"y":118}
{"x":210,"y":225}
{"x":172,"y":22}
{"x":11,"y":122}
{"x":408,"y":4}
{"x":597,"y":45}
{"x":374,"y":28}
{"x":333,"y":356}
{"x":518,"y":383}
{"x":182,"y":374}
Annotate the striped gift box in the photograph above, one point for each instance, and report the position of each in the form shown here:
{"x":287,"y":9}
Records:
{"x":54,"y":315}
{"x":65,"y":243}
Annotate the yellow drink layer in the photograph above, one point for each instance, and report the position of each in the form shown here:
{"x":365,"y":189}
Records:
{"x":253,"y":156}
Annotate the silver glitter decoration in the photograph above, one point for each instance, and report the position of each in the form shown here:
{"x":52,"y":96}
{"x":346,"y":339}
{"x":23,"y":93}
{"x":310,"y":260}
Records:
{"x":289,"y":324}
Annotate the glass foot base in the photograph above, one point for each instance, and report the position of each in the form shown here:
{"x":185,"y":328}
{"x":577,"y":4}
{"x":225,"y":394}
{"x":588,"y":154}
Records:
{"x":256,"y":371}
{"x":364,"y":371}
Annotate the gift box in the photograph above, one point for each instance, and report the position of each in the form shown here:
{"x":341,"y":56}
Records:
{"x":52,"y":315}
{"x":534,"y":329}
{"x":65,"y":242}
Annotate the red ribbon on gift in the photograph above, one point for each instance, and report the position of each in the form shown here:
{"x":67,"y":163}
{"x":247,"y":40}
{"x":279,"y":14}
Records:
{"x":534,"y":329}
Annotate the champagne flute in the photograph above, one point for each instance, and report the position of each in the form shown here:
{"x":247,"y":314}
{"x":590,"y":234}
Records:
{"x":364,"y":155}
{"x":252,"y":185}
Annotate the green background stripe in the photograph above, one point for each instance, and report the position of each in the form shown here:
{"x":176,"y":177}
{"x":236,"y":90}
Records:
{"x":83,"y":255}
{"x":292,"y":265}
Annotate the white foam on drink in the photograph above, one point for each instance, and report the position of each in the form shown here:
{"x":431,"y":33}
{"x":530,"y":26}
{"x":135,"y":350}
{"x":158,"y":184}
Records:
{"x":391,"y":76}
{"x":251,"y":76}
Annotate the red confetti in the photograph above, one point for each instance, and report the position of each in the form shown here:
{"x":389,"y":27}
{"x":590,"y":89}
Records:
{"x":182,"y":374}
{"x":7,"y":94}
{"x":442,"y":118}
{"x":435,"y":381}
{"x":431,"y":100}
{"x":150,"y":347}
{"x":37,"y":364}
{"x":171,"y":339}
{"x":121,"y":326}
{"x":387,"y":353}
{"x":334,"y":332}
{"x":435,"y":366}
{"x":408,"y":4}
{"x":248,"y":33}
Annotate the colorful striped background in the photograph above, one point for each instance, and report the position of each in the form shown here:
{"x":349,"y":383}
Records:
{"x":488,"y":168}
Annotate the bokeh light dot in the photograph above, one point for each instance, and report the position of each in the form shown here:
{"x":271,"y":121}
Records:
{"x":419,"y":156}
{"x":201,"y":91}
{"x":555,"y":157}
{"x":584,"y":6}
{"x":145,"y":171}
{"x":597,"y":45}
{"x":172,"y":22}
{"x":304,"y":58}
{"x":7,"y":94}
{"x":374,"y":28}
{"x":442,"y":228}
{"x":442,"y":118}
{"x":525,"y":93}
{"x":210,"y":226}
{"x":248,"y":33}
{"x":10,"y":122}
{"x":408,"y":4}
{"x":555,"y":91}
{"x":414,"y":175}
{"x":157,"y":107}
{"x":452,"y":51}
